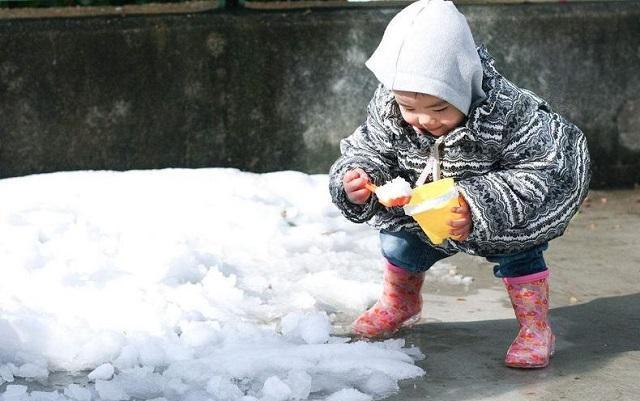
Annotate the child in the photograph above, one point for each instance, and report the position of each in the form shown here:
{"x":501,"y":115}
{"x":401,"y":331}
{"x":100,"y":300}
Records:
{"x":522,"y":171}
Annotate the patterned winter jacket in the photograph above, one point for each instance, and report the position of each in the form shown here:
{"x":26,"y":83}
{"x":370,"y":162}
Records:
{"x":523,"y":169}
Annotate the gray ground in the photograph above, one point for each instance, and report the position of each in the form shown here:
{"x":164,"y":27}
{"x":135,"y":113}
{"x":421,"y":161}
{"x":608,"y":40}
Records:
{"x":595,"y":301}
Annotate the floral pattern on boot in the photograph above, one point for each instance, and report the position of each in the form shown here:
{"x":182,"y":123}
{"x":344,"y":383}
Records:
{"x":535,"y":343}
{"x":400,"y":304}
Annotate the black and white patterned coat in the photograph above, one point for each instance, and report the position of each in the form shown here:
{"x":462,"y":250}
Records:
{"x":523,"y":169}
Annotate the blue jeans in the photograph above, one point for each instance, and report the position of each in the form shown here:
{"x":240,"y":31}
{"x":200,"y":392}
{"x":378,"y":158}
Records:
{"x":407,"y":251}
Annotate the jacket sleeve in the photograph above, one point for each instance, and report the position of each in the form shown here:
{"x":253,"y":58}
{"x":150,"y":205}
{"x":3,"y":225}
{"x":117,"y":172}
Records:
{"x":370,"y":148}
{"x":526,"y":178}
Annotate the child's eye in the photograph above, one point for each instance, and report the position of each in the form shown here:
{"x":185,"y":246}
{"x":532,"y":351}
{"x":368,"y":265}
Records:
{"x":442,"y":109}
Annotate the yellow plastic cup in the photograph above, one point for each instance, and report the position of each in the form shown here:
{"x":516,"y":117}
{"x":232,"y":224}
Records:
{"x":431,"y":205}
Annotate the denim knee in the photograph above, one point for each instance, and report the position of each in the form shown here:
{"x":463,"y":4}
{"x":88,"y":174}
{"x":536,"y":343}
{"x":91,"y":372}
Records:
{"x":520,"y":264}
{"x":407,"y":251}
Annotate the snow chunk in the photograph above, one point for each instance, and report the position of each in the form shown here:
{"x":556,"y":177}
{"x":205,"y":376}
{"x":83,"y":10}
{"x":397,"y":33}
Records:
{"x":380,"y":385}
{"x":110,"y":391}
{"x":46,"y":396}
{"x":140,"y":382}
{"x":199,"y":334}
{"x":128,"y":357}
{"x":6,"y":372}
{"x":14,"y":391}
{"x":349,"y":394}
{"x":102,"y":372}
{"x":394,"y":189}
{"x":77,"y":392}
{"x":32,"y":371}
{"x":223,"y":389}
{"x":300,"y":384}
{"x":275,"y":389}
{"x":312,"y":328}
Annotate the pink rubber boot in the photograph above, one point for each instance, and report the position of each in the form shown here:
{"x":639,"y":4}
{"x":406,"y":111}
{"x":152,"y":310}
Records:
{"x":400,"y":304}
{"x":535,"y":342}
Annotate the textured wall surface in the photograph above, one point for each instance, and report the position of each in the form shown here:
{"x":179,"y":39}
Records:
{"x":277,"y":90}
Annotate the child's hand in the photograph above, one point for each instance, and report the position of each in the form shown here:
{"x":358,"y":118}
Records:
{"x":353,"y":184}
{"x":461,"y":228}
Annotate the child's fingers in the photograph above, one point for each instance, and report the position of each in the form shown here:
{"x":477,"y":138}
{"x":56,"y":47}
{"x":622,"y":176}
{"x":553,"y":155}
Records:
{"x":460,"y":229}
{"x":462,"y":209}
{"x":350,"y":175}
{"x":460,"y":236}
{"x":361,"y":194}
{"x":356,"y":173}
{"x":361,"y":173}
{"x":355,"y":184}
{"x":459,"y":223}
{"x":359,"y":197}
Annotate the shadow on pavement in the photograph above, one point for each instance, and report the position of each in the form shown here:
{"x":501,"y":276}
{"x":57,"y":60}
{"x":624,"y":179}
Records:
{"x":464,"y":360}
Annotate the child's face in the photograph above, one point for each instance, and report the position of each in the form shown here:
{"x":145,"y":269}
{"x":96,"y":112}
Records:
{"x":428,"y":114}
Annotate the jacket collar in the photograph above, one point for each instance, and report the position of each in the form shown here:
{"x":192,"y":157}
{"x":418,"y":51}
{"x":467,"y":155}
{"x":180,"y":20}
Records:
{"x":478,"y":115}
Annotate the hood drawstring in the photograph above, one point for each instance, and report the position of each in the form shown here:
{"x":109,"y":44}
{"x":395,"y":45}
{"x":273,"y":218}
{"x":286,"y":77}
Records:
{"x":433,"y":163}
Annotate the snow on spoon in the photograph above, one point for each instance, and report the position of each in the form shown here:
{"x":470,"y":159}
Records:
{"x":396,"y":192}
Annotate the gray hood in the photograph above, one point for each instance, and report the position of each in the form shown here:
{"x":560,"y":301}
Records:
{"x":428,"y":48}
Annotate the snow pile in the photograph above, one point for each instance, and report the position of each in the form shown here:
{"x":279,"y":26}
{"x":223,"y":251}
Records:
{"x":187,"y":285}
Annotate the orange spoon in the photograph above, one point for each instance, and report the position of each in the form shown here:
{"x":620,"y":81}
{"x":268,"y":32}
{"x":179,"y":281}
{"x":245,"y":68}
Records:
{"x":401,"y":201}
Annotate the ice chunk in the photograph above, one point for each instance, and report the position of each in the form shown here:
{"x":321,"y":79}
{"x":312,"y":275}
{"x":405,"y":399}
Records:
{"x":110,"y":391}
{"x":196,"y":395}
{"x":312,"y":328}
{"x":77,"y":392}
{"x":223,"y":389}
{"x":6,"y":373}
{"x":152,"y":352}
{"x":380,"y":385}
{"x":176,"y":386}
{"x":46,"y":396}
{"x":140,"y":382}
{"x":275,"y":389}
{"x":31,"y":370}
{"x":100,"y":348}
{"x":128,"y":357}
{"x":349,"y":394}
{"x":14,"y":391}
{"x":178,"y":352}
{"x":198,"y":334}
{"x":102,"y":372}
{"x":300,"y":384}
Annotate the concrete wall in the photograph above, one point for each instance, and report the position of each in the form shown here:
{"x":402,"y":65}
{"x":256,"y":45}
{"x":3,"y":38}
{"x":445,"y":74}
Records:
{"x":265,"y":91}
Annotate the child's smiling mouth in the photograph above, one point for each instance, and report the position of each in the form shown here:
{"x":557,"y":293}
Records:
{"x":422,"y":131}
